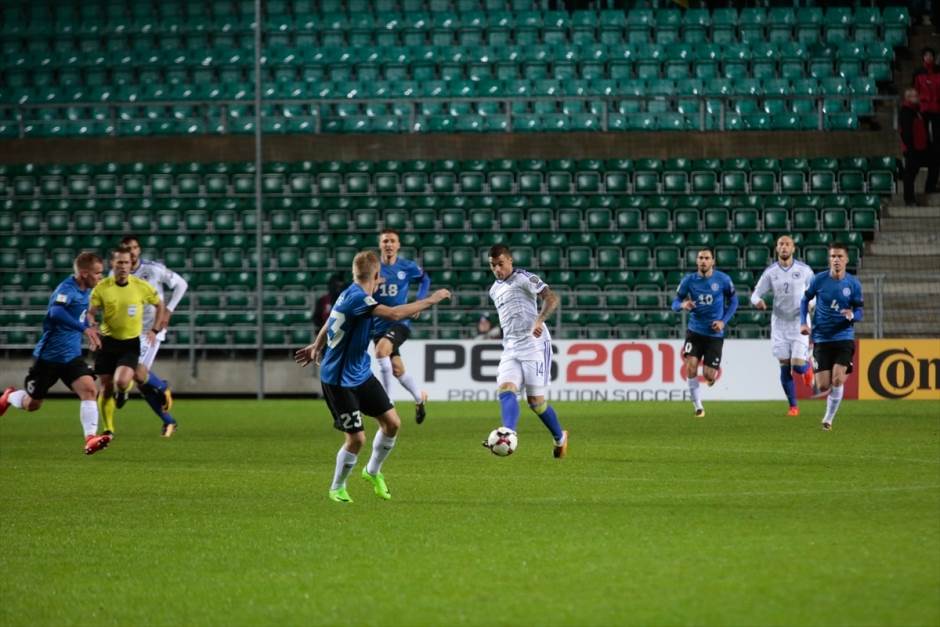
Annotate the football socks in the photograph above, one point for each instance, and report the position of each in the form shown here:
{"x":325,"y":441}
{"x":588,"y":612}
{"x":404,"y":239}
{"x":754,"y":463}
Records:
{"x":789,"y":385}
{"x":509,"y":408}
{"x":549,"y":418}
{"x":345,"y":462}
{"x":88,"y":413}
{"x":382,"y":445}
{"x":832,"y":403}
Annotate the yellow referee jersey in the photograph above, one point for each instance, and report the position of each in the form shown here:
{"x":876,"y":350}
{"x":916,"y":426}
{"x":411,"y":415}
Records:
{"x":121,"y":307}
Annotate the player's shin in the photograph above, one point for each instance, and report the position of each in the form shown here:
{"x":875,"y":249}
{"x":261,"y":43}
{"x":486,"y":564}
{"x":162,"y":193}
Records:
{"x":409,"y":384}
{"x":385,"y":373}
{"x":107,"y":405}
{"x":345,"y":462}
{"x":832,"y":403}
{"x":88,"y":414}
{"x":789,"y":385}
{"x":154,"y":399}
{"x":696,"y":392}
{"x":549,"y":418}
{"x":154,"y":382}
{"x":509,"y":408}
{"x":382,"y":445}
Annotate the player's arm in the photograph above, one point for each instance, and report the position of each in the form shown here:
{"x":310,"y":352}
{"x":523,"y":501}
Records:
{"x":760,"y":290}
{"x":732,"y":299}
{"x":682,"y":300}
{"x":855,"y":313}
{"x":808,"y":295}
{"x":179,"y":286}
{"x":549,"y":305}
{"x":312,"y":352}
{"x":423,"y":287}
{"x":401,"y":312}
{"x":63,"y":318}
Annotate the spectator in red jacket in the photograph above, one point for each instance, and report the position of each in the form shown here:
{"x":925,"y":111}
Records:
{"x":915,"y":145}
{"x":927,"y":84}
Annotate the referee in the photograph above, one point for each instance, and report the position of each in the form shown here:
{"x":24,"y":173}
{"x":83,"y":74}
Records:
{"x":120,"y":299}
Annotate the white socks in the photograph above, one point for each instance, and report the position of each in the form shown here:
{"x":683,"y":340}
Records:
{"x":695,"y":392}
{"x":832,"y":403}
{"x":385,"y":374}
{"x":409,"y":384}
{"x":382,"y":445}
{"x":16,"y":398}
{"x":88,"y":412}
{"x":345,"y":462}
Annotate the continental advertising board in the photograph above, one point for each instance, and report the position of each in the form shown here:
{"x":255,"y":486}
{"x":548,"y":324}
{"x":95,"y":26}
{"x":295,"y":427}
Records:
{"x":900,"y":369}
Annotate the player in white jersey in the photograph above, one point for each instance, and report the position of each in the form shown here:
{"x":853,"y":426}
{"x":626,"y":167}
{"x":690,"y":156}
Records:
{"x":155,"y":390}
{"x":527,"y":344}
{"x":787,"y":280}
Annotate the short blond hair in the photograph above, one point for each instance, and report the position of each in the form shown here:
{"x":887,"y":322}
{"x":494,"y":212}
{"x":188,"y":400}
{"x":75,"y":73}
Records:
{"x":365,"y":265}
{"x":86,"y":261}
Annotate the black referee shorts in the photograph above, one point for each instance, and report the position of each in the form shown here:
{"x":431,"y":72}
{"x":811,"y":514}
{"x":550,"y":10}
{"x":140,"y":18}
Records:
{"x":114,"y":353}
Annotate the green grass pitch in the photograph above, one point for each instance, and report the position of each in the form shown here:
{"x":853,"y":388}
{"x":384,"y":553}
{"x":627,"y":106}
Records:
{"x":746,"y":517}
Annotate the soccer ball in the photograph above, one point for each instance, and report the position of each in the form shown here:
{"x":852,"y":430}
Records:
{"x":502,"y":441}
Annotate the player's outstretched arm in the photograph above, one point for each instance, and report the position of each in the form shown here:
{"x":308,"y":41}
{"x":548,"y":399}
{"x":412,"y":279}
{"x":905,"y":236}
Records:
{"x":312,"y":352}
{"x":409,"y":309}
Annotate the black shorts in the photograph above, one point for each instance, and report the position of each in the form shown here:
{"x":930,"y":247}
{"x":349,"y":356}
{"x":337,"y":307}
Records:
{"x":705,"y":347}
{"x":348,"y":404}
{"x":114,"y":353}
{"x":44,"y":374}
{"x":397,"y":334}
{"x":827,"y":354}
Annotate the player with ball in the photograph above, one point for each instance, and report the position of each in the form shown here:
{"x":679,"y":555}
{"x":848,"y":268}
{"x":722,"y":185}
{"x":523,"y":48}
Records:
{"x":527,"y":351}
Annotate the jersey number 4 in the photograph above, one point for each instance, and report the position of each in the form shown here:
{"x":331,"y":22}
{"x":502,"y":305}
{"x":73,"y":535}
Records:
{"x":336,"y":331}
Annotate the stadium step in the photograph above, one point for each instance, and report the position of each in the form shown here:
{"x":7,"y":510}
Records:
{"x":926,"y":246}
{"x":931,"y":211}
{"x":900,"y":225}
{"x":884,"y":263}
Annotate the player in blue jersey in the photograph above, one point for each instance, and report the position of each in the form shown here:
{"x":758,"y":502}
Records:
{"x":398,"y":274}
{"x":58,"y":355}
{"x":839,"y":305}
{"x":349,"y":387}
{"x":704,"y":294}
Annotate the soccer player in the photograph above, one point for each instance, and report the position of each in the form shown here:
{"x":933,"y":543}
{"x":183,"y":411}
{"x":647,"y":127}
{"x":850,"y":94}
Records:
{"x":156,"y":391}
{"x":839,"y":305}
{"x":527,"y":344}
{"x":703,"y":294}
{"x":398,"y":273}
{"x":121,"y":299}
{"x":786,"y":279}
{"x":58,"y":355}
{"x":349,"y":387}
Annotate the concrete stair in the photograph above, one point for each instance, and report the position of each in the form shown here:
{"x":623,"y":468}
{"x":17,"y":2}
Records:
{"x":906,"y":253}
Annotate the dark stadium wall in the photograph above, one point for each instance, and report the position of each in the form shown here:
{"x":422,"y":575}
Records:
{"x":349,"y":147}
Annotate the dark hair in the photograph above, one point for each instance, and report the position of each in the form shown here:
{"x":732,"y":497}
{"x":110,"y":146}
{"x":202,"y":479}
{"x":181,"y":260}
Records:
{"x":927,"y":49}
{"x":127,"y":239}
{"x":389,"y":230}
{"x":839,"y":246}
{"x":499,"y":249}
{"x":710,"y":250}
{"x":120,"y":250}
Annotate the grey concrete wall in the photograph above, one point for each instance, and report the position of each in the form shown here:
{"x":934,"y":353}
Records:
{"x":213,"y":376}
{"x":349,"y":147}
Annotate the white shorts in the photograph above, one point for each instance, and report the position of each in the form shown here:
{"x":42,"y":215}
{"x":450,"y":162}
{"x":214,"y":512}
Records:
{"x":534,"y":374}
{"x":148,"y":351}
{"x":791,"y":347}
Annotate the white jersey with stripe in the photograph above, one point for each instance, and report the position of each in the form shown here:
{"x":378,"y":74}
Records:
{"x":516,"y":301}
{"x":161,"y":278}
{"x":787,"y":286}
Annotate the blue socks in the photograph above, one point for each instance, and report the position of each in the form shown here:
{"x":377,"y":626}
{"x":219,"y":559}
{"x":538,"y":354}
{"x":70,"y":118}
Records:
{"x":509,"y":407}
{"x":801,"y":369}
{"x":789,"y":386}
{"x":549,"y":418}
{"x":152,"y":392}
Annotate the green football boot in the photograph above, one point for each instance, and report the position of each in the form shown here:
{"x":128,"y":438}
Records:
{"x":340,"y":496}
{"x":378,"y":484}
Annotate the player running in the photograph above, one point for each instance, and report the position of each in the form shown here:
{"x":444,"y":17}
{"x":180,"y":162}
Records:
{"x":156,"y":391}
{"x":397,"y":273}
{"x":839,"y":305}
{"x":349,"y":387}
{"x":527,"y":344}
{"x":704,"y":294}
{"x":58,"y":355}
{"x":786,"y":280}
{"x":121,"y":299}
